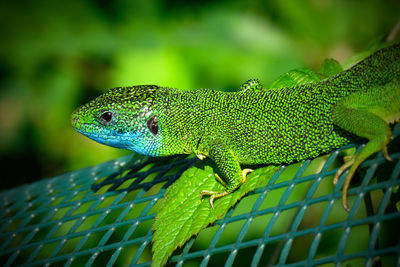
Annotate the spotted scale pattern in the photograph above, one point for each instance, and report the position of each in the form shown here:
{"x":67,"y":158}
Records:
{"x":270,"y":126}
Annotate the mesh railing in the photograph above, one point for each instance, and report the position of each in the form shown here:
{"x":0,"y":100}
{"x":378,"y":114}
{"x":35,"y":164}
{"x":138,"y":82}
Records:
{"x":100,"y":216}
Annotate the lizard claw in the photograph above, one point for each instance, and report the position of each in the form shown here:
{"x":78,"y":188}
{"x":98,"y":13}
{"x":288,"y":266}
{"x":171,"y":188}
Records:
{"x":342,"y":169}
{"x":212,"y":201}
{"x":244,"y":174}
{"x":386,"y":153}
{"x":200,"y":156}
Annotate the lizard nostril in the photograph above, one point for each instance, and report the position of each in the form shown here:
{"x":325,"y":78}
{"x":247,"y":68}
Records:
{"x":74,"y":119}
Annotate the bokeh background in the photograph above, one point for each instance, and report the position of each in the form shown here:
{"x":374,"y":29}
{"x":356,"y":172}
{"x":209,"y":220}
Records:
{"x":56,"y":55}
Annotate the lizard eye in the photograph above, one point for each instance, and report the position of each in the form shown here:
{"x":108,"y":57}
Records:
{"x":152,"y":124}
{"x":106,"y":116}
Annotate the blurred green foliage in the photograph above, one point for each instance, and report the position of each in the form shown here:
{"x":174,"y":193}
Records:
{"x":56,"y":55}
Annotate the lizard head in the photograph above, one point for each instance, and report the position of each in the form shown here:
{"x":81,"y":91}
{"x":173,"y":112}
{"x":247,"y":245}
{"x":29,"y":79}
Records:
{"x":123,"y":117}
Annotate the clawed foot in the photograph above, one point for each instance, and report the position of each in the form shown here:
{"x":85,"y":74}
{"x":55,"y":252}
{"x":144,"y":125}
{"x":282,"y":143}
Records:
{"x":213,"y":195}
{"x":350,"y":163}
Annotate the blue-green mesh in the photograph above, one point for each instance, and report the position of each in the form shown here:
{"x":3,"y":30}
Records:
{"x":99,"y":216}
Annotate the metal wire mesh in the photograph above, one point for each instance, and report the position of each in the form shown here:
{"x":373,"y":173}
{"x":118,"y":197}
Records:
{"x":100,"y":216}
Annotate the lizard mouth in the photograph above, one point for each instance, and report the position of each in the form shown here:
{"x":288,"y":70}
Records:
{"x":101,"y":137}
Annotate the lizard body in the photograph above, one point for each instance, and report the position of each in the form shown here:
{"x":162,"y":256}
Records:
{"x":253,"y":125}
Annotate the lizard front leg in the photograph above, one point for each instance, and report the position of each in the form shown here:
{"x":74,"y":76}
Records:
{"x":228,"y":165}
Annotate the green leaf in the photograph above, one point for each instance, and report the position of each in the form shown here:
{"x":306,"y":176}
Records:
{"x":357,"y":57}
{"x":295,"y":77}
{"x":330,"y":67}
{"x":182,"y":214}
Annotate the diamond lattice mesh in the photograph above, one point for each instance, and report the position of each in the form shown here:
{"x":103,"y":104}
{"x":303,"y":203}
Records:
{"x":99,"y":216}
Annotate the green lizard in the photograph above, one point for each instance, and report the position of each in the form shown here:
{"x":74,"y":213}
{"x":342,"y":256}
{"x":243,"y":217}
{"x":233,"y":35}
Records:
{"x":254,"y":125}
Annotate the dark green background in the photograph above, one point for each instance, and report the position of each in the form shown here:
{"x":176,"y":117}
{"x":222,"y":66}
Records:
{"x":56,"y":55}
